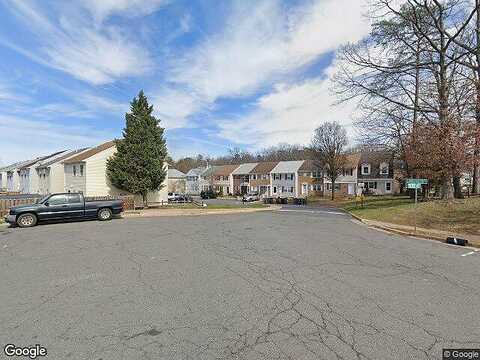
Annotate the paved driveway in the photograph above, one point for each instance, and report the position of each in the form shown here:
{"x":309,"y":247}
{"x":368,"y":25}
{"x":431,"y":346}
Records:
{"x":269,"y":285}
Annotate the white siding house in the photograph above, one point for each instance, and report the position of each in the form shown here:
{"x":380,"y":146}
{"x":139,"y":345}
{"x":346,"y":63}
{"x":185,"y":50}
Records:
{"x":29,"y":178}
{"x":283,"y":179}
{"x":87,"y":173}
{"x":51,"y":172}
{"x":193,"y":181}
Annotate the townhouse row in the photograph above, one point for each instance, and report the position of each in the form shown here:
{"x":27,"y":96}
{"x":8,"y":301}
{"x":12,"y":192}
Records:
{"x":82,"y":170}
{"x":372,"y":172}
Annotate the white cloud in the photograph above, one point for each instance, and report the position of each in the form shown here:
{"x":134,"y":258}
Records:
{"x":102,"y":9}
{"x":288,"y":114}
{"x":173,"y":107}
{"x":264,"y":44}
{"x":43,"y":137}
{"x":95,"y":104}
{"x":97,"y":55}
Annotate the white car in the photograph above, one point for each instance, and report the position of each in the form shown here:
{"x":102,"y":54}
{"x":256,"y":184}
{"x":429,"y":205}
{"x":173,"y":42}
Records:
{"x":251,"y":197}
{"x":173,"y":196}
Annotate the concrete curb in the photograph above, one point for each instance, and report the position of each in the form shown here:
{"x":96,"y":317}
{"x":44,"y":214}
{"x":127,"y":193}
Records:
{"x":418,"y":235}
{"x":193,"y":212}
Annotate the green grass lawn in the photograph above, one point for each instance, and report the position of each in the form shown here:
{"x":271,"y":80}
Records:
{"x":462,"y":216}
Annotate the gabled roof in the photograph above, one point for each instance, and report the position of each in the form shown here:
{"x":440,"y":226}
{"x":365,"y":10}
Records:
{"x":12,"y":166}
{"x":196,"y":171}
{"x":264,"y":167}
{"x":62,"y":156}
{"x":375,"y":157}
{"x":174,"y":173}
{"x":353,"y":159}
{"x":89,"y":153}
{"x":287,"y":166}
{"x":224,"y":170}
{"x":311,"y":165}
{"x":209,"y":171}
{"x":244,"y":169}
{"x":42,"y":158}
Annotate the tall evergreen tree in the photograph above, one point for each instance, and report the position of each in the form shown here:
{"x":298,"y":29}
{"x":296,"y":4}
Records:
{"x":138,"y":164}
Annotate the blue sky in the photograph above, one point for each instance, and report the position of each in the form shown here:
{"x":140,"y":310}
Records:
{"x":219,"y":73}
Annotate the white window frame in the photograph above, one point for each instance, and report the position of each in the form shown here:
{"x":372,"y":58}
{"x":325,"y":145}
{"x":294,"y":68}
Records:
{"x":369,"y":169}
{"x":388,"y":190}
{"x":382,"y":167}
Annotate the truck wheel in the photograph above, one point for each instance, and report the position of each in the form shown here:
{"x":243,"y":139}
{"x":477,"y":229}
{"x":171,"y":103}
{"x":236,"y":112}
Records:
{"x":104,"y":214}
{"x":27,"y":220}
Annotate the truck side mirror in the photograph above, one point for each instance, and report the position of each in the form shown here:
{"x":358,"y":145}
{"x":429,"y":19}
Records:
{"x":46,"y":203}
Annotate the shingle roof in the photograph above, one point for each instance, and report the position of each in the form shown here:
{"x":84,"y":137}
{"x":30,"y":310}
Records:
{"x":224,"y":170}
{"x":13,"y":166}
{"x":311,"y":165}
{"x":375,"y":157}
{"x":209,"y":171}
{"x":89,"y":153}
{"x":287,"y":166}
{"x":196,"y":171}
{"x":353,"y":159}
{"x":41,"y":158}
{"x":65,"y":155}
{"x":244,"y":169}
{"x":264,"y":167}
{"x":174,"y":173}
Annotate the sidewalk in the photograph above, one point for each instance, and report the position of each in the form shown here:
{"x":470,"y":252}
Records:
{"x":191,"y":212}
{"x":440,"y":235}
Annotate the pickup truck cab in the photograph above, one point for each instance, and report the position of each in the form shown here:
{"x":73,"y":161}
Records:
{"x":68,"y":206}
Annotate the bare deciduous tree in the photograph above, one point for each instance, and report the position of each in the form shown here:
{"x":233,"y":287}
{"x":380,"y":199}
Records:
{"x":328,"y":145}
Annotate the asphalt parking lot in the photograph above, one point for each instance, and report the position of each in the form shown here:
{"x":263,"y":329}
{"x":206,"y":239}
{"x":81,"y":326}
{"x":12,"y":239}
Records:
{"x":290,"y":284}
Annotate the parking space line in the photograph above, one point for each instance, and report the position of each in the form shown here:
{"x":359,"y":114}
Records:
{"x":471,"y":252}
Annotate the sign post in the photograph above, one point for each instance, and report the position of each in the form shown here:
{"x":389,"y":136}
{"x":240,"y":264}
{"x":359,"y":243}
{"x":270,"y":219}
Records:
{"x":416,"y":184}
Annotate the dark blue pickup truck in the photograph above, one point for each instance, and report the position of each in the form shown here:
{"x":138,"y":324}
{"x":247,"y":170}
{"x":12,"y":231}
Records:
{"x":68,"y":206}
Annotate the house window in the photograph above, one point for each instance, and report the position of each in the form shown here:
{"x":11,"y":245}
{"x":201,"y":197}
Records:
{"x":274,"y":189}
{"x":388,"y":186}
{"x":291,"y":189}
{"x":74,"y":170}
{"x":384,"y":169}
{"x":371,"y":185}
{"x":81,"y":170}
{"x":365,"y":169}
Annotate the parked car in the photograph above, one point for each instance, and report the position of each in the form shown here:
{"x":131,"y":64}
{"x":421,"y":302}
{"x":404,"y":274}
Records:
{"x":209,"y":194}
{"x":63,"y":206}
{"x":251,"y":197}
{"x":174,"y":197}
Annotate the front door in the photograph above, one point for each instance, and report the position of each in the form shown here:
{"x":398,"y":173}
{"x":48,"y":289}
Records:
{"x":351,"y":190}
{"x":305,"y":189}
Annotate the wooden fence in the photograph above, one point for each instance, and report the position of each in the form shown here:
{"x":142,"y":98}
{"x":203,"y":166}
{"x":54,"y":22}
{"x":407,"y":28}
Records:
{"x":6,"y":204}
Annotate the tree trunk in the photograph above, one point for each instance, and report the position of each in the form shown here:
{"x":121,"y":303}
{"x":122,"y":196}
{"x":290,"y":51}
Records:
{"x":457,"y":188}
{"x":145,"y":200}
{"x":447,"y":189}
{"x":333,"y":190}
{"x":476,"y":168}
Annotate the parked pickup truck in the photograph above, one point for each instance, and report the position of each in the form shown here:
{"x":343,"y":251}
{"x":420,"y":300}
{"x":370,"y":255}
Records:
{"x":63,"y":206}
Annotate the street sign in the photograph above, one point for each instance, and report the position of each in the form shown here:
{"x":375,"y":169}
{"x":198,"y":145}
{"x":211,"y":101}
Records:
{"x":416,"y":184}
{"x":417,"y":181}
